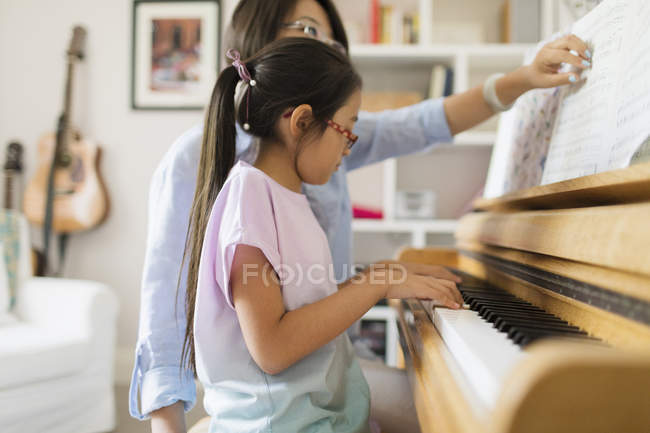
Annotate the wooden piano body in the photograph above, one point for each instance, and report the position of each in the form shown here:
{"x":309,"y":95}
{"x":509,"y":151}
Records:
{"x":579,"y":249}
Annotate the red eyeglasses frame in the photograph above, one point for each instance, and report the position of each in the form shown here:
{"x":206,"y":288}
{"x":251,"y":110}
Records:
{"x":352,"y":138}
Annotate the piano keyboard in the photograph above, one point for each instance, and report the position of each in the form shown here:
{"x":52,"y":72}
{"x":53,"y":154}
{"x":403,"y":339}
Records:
{"x":488,"y":338}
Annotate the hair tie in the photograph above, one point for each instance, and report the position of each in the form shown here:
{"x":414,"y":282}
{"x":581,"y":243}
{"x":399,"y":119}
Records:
{"x":245,"y":76}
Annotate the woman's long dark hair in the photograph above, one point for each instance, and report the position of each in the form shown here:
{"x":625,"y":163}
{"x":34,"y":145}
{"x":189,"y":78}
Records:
{"x":256,"y":23}
{"x":288,"y":73}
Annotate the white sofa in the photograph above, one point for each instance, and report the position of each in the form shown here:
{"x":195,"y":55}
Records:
{"x":57,"y":350}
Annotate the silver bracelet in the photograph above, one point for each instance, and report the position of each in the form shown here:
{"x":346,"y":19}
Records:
{"x":490,"y":94}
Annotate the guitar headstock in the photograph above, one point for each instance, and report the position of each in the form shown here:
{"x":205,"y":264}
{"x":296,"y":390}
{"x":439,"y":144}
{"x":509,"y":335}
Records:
{"x":77,"y":43}
{"x":14,"y":160}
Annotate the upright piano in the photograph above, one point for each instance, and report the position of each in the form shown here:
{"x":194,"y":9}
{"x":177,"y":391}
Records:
{"x":555,"y":333}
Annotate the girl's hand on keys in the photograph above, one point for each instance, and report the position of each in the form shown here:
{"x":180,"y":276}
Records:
{"x":397,"y":282}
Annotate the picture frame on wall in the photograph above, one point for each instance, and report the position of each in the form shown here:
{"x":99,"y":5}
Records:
{"x":175,"y":53}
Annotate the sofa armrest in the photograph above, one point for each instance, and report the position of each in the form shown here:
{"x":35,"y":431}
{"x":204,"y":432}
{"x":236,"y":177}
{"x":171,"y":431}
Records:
{"x":71,"y":306}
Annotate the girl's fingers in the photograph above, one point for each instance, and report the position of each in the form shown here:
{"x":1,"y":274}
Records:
{"x":447,"y":300}
{"x":443,"y":293}
{"x":453,"y":291}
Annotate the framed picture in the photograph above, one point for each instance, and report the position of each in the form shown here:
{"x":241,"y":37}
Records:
{"x":175,"y":53}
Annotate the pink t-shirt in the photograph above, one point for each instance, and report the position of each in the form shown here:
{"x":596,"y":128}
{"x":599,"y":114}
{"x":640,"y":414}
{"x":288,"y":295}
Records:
{"x":323,"y":392}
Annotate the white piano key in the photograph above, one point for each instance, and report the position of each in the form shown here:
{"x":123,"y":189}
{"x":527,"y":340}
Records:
{"x":484,"y":354}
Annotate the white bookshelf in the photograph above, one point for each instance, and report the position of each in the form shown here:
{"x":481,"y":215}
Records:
{"x":418,"y":229}
{"x":455,"y":171}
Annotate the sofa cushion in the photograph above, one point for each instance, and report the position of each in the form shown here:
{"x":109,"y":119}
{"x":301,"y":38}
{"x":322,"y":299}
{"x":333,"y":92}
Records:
{"x":31,"y":353}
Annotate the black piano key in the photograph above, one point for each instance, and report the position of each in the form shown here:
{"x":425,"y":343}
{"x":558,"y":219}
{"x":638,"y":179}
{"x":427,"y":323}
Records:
{"x":544,"y":328}
{"x":521,"y":320}
{"x":510,"y":312}
{"x":495,"y":298}
{"x":475,"y":287}
{"x":484,"y":291}
{"x":504,"y":305}
{"x":505,"y":302}
{"x":531,"y":337}
{"x":518,"y":335}
{"x":485,"y":308}
{"x":492,"y":316}
{"x":503,"y":324}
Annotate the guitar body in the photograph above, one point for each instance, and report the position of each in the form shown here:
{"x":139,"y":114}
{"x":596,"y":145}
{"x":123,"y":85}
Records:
{"x":80,"y":201}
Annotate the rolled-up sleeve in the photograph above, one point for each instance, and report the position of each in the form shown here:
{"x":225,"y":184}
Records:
{"x":404,"y":131}
{"x":157,"y":378}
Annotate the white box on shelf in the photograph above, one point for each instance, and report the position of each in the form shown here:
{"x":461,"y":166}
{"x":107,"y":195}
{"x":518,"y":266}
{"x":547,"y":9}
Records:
{"x":415,"y":204}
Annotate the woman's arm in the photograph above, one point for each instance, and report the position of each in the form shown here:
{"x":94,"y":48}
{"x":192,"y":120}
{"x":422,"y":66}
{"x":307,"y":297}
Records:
{"x":276,"y":339}
{"x":468,"y":109}
{"x":170,"y":419}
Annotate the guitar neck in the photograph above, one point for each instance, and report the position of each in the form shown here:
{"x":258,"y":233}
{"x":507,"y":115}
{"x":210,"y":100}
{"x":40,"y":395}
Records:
{"x":9,"y":189}
{"x":75,"y":52}
{"x":62,"y":142}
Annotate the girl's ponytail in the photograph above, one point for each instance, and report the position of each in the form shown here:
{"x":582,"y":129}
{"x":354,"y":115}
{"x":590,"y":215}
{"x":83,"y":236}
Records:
{"x":218,"y":151}
{"x":283,"y":75}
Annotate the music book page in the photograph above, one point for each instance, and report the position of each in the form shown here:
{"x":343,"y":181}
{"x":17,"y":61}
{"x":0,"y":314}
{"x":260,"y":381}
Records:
{"x":603,"y":119}
{"x":523,"y":138}
{"x":595,"y":125}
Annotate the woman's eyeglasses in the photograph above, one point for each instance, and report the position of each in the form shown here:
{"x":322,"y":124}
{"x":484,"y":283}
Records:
{"x":314,"y":32}
{"x":349,"y":135}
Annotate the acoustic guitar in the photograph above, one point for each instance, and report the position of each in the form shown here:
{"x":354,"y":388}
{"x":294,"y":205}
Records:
{"x":70,"y":163}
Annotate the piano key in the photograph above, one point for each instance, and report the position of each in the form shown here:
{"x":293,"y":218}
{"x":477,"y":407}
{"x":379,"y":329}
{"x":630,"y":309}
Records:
{"x":481,"y":306}
{"x":529,"y":337}
{"x":504,"y":325}
{"x":541,"y":330}
{"x":484,"y":354}
{"x":495,"y":314}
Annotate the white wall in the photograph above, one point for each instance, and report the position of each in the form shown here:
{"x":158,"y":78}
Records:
{"x":34,"y":35}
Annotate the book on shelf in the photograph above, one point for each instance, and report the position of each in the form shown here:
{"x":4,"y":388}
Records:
{"x":374,"y":22}
{"x":441,"y":83}
{"x":391,"y":25}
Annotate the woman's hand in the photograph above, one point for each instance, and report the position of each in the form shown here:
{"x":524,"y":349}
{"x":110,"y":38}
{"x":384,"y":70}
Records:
{"x":468,"y":109}
{"x":409,"y":280}
{"x":543,"y":72}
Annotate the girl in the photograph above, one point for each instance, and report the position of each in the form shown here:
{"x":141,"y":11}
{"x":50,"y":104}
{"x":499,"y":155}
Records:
{"x":267,"y":325}
{"x":156,"y":390}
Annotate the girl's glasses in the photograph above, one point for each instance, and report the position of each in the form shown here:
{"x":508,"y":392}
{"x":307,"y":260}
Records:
{"x":349,"y":135}
{"x":351,"y":138}
{"x":314,"y":32}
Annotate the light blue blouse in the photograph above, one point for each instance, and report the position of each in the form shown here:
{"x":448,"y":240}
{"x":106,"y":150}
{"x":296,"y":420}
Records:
{"x":156,"y":375}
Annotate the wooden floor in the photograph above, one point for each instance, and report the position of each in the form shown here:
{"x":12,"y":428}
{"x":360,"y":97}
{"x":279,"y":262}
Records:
{"x":126,"y":424}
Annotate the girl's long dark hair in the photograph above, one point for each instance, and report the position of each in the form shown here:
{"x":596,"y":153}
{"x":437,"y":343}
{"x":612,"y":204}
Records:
{"x":288,"y":73}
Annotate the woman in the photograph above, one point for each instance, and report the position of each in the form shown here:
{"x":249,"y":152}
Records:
{"x":255,"y":23}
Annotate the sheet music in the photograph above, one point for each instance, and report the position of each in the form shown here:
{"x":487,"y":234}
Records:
{"x":586,"y":122}
{"x":594,"y":125}
{"x":633,"y":92}
{"x":523,"y":138}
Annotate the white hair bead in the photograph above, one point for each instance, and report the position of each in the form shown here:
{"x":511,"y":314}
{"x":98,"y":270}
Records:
{"x":253,"y":83}
{"x":247,"y":127}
